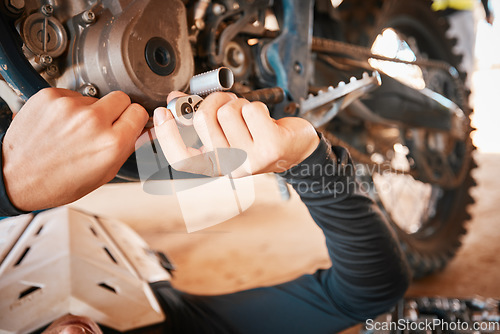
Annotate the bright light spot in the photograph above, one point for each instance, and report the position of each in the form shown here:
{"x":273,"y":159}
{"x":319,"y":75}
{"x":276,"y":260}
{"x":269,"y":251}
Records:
{"x":336,"y":3}
{"x":271,"y":22}
{"x":398,"y":193}
{"x":252,"y":41}
{"x":389,"y":44}
{"x":400,"y":161}
{"x":398,"y":148}
{"x":486,"y":116}
{"x":377,"y":158}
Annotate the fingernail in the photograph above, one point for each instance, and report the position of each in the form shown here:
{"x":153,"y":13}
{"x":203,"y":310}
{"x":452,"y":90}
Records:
{"x":160,"y":116}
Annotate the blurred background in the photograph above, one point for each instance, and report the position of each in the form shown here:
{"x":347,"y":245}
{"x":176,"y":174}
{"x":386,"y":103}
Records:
{"x":486,"y":84}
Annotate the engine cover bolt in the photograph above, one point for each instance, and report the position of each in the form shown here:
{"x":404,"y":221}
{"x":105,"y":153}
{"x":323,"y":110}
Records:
{"x":298,"y":67}
{"x":45,"y":60}
{"x":47,"y":10}
{"x":218,"y":9}
{"x":88,"y":17}
{"x":15,"y":5}
{"x":52,"y":71}
{"x":89,"y":90}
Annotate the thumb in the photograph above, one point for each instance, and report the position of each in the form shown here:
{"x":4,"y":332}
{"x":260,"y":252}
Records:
{"x":168,"y":135}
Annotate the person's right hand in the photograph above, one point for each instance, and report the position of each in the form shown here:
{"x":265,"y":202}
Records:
{"x":62,"y":145}
{"x":225,"y":122}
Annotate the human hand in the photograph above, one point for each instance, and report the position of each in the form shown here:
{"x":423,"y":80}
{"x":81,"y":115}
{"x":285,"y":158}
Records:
{"x":70,"y":324}
{"x":62,"y":145}
{"x":224,"y":121}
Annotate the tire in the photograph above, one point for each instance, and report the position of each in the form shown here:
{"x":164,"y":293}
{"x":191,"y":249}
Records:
{"x":430,"y":247}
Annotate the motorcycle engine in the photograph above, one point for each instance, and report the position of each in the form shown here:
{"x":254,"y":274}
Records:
{"x":96,"y":47}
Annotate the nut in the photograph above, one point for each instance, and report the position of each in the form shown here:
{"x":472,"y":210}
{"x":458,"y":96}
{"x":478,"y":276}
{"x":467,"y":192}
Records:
{"x":52,"y":71}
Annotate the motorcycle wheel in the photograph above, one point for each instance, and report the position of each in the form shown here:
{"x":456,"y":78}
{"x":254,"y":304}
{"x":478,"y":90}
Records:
{"x":428,"y":217}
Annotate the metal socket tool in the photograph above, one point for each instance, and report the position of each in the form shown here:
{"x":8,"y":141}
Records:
{"x":183,"y":108}
{"x":217,"y":80}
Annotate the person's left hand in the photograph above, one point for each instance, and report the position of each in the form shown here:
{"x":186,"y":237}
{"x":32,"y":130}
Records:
{"x":225,"y":121}
{"x":62,"y":145}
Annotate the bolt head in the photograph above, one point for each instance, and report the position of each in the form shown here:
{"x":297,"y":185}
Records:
{"x":45,"y":60}
{"x":90,"y":90}
{"x":88,"y":17}
{"x":47,"y":10}
{"x":218,"y":9}
{"x":52,"y":71}
{"x":298,"y":67}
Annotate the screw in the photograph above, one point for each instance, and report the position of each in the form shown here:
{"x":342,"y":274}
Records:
{"x":89,"y":90}
{"x":47,"y":10}
{"x":45,"y":60}
{"x":52,"y":71}
{"x":236,"y":6}
{"x":88,"y":17}
{"x":297,"y":67}
{"x":218,"y":9}
{"x":16,"y":5}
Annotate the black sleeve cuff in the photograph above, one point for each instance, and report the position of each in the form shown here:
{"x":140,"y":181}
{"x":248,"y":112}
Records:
{"x":6,"y":206}
{"x":326,"y":160}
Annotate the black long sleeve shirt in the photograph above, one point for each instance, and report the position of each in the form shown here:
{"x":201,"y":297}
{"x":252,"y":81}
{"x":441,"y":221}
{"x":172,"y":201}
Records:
{"x":7,"y":209}
{"x":368,"y":273}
